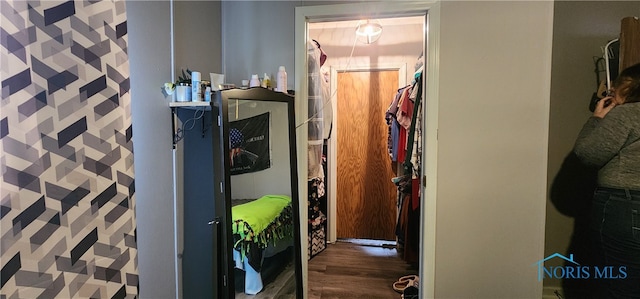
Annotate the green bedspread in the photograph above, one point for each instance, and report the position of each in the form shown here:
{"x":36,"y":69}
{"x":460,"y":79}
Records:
{"x":266,"y":219}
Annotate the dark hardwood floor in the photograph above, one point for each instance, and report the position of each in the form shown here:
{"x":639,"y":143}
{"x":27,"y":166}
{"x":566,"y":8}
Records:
{"x":364,"y":269}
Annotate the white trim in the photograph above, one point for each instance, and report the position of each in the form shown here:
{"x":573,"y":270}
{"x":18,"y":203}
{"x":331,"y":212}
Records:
{"x":374,"y":66}
{"x":177,"y":227}
{"x":173,"y":60}
{"x":430,"y":151}
{"x":300,"y":56}
{"x":306,"y":14}
{"x":332,"y":210}
{"x":177,"y":186}
{"x":332,"y":221}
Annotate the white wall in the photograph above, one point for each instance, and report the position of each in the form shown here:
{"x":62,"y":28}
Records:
{"x":197,"y":25}
{"x":198,"y":36}
{"x":277,"y":178}
{"x":495,"y":67}
{"x":257,"y":39}
{"x":152,"y":153}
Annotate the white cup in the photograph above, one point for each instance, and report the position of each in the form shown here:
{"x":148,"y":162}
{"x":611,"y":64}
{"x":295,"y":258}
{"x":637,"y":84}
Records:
{"x":217,"y":80}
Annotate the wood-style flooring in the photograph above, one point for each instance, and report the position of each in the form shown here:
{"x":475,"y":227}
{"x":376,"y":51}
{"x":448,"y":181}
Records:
{"x":278,"y":279}
{"x":282,"y":287}
{"x":346,"y":269}
{"x":364,"y":269}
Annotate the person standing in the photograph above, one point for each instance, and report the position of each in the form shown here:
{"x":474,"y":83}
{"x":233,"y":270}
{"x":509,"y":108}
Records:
{"x":610,"y":141}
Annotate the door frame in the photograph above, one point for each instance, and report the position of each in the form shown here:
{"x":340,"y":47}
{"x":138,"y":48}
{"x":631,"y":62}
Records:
{"x":332,"y":146}
{"x":431,"y":10}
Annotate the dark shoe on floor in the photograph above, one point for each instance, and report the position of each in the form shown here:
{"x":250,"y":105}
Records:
{"x":410,"y":292}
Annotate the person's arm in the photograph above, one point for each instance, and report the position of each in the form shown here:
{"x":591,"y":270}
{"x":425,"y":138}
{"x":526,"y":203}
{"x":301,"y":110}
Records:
{"x":602,"y":137}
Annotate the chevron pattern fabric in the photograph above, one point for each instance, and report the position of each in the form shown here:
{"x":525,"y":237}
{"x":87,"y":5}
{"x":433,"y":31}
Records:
{"x":317,"y":242}
{"x":67,"y":222}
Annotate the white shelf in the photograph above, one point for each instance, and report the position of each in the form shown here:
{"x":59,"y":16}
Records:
{"x":193,"y":105}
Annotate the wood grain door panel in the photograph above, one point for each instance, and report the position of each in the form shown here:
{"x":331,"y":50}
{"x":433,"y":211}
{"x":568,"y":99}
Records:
{"x":366,"y":197}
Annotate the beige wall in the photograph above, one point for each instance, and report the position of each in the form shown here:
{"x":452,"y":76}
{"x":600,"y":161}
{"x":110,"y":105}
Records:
{"x":580,"y":29}
{"x":495,"y":66}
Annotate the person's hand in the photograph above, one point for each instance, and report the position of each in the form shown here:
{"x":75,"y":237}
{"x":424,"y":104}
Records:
{"x":233,"y":153}
{"x":603,"y":107}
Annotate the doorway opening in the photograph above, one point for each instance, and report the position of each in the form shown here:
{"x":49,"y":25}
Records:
{"x":306,"y":15}
{"x":364,"y":78}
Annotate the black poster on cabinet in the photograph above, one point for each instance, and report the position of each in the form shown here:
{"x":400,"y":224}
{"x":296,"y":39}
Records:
{"x":249,"y":144}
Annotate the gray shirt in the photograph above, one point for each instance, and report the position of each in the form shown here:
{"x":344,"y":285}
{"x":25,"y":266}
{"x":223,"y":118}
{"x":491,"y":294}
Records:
{"x":612,"y":144}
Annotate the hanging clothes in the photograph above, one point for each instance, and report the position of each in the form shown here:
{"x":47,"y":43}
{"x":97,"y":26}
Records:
{"x":319,"y":126}
{"x":327,"y":110}
{"x":416,"y":154}
{"x":409,"y":116}
{"x":394,"y":127}
{"x":398,"y":118}
{"x":315,"y":113}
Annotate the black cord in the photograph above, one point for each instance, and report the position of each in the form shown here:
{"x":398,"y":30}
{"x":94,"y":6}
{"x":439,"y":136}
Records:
{"x":190,"y":123}
{"x":599,"y":68}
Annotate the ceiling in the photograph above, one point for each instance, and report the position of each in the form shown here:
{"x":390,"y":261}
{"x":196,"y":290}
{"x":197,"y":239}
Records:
{"x":353,"y":23}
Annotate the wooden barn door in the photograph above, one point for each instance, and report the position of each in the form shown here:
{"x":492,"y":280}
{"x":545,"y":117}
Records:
{"x":366,"y":197}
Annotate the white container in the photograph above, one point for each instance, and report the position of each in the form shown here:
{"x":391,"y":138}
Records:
{"x":281,"y":80}
{"x":207,"y":94}
{"x":255,"y":81}
{"x":183,"y":93}
{"x":196,"y":87}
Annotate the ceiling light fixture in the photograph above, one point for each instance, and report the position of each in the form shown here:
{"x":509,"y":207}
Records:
{"x":368,"y":31}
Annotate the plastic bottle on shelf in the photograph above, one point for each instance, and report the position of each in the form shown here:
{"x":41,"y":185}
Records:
{"x":282,"y":80}
{"x":266,"y":81}
{"x":196,"y":88}
{"x":207,"y":94}
{"x":255,"y":81}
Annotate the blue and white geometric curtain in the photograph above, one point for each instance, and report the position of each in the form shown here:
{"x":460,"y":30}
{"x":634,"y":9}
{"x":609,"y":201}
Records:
{"x":67,"y":221}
